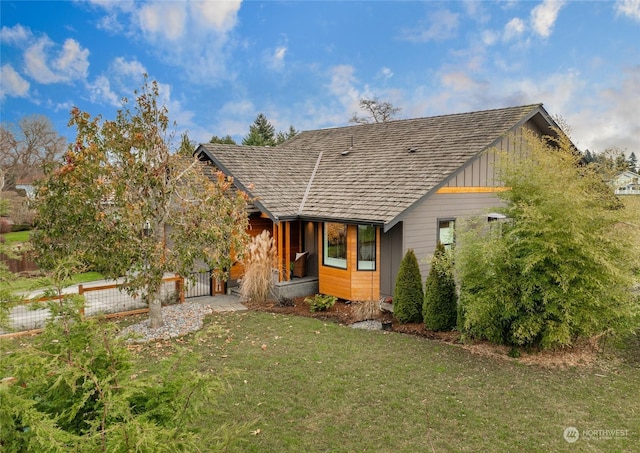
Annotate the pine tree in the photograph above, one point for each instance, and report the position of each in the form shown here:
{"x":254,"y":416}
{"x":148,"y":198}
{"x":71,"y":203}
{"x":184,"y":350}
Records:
{"x":440,"y":299}
{"x":408,"y":294}
{"x":261,"y":133}
{"x":284,"y":136}
{"x":633,"y":162}
{"x":226,"y":140}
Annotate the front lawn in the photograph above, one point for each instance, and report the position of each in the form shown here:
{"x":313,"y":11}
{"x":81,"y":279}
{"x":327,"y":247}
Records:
{"x":16,"y":237}
{"x":309,"y":385}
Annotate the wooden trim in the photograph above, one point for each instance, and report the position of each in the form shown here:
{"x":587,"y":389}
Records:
{"x":484,"y":189}
{"x":287,"y":251}
{"x":279,"y":251}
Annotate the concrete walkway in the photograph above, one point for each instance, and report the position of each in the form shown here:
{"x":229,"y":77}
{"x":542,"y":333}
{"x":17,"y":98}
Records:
{"x":220,"y":303}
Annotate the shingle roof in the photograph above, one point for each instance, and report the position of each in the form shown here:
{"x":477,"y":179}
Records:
{"x":378,"y":178}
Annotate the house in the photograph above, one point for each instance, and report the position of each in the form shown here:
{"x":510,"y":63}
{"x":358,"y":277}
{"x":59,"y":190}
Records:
{"x":356,"y":198}
{"x":626,"y":183}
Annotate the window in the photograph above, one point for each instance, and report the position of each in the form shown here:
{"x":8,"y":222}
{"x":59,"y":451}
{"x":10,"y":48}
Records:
{"x":446,"y":234}
{"x":366,"y":248}
{"x":335,"y":245}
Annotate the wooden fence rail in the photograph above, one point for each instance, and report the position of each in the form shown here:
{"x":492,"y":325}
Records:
{"x":110,"y":301}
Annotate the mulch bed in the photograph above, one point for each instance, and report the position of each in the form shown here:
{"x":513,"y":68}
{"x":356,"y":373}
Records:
{"x":585,"y":353}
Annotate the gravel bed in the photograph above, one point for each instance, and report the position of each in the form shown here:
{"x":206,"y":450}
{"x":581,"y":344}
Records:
{"x":179,"y":320}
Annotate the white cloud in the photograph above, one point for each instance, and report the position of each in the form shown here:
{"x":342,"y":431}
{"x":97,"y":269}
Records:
{"x":280,"y":53}
{"x":386,"y":73}
{"x":460,"y":81}
{"x":129,"y":69}
{"x":439,"y":26}
{"x":163,"y":20}
{"x":12,"y":83}
{"x":544,"y":16}
{"x":489,"y":37}
{"x":630,"y":8}
{"x":342,"y":85}
{"x":44,"y":66}
{"x":110,"y":23}
{"x":100,"y":91}
{"x":192,"y":34}
{"x":275,"y":58}
{"x":610,"y":116}
{"x":221,"y":15}
{"x":15,"y":35}
{"x":514,"y":29}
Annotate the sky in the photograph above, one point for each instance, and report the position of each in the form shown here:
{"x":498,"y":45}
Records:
{"x":308,"y":63}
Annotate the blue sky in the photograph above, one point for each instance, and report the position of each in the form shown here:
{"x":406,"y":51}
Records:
{"x":307,"y":64}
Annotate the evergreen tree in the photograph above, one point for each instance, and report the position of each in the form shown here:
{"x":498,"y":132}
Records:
{"x":187,"y":147}
{"x":589,"y":157}
{"x":408,"y":295}
{"x":440,"y":299}
{"x":633,"y":162}
{"x":284,"y":136}
{"x":226,"y":140}
{"x":261,"y":133}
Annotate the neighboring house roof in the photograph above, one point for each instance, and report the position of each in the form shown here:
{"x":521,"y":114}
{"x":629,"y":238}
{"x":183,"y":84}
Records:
{"x":627,"y":182}
{"x":368,"y":173}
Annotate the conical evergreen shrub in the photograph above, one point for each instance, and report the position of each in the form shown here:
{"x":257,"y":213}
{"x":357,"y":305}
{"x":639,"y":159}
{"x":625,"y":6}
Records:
{"x":408,"y":295}
{"x":439,"y":310}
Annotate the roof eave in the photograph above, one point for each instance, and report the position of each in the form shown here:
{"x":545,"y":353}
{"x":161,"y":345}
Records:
{"x":537,"y":110}
{"x":201,"y":150}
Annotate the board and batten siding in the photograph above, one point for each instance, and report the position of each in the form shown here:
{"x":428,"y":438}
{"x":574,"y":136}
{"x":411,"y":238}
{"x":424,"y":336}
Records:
{"x":470,"y":191}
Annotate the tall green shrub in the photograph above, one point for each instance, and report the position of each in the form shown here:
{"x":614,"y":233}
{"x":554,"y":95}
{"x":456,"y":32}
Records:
{"x":563,"y":264}
{"x":439,"y":310}
{"x":408,"y":294}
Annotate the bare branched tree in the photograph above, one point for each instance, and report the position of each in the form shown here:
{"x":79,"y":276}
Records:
{"x":28,"y":145}
{"x":376,"y":112}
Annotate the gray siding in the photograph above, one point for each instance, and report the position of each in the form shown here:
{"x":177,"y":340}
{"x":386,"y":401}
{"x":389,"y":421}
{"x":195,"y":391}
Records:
{"x":421,"y":225}
{"x":480,"y":172}
{"x":390,"y":256}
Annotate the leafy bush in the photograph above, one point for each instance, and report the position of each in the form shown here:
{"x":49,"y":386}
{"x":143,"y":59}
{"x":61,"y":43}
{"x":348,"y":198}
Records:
{"x":408,"y":295}
{"x":321,"y":302}
{"x":561,"y":267}
{"x":439,"y":310}
{"x":259,"y":260}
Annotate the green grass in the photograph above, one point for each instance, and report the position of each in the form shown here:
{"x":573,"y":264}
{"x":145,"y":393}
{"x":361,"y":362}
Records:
{"x":17,"y":237}
{"x":21,"y":285}
{"x":307,"y":385}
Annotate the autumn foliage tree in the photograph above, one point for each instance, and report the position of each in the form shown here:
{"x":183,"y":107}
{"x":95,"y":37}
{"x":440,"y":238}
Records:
{"x":127,"y":206}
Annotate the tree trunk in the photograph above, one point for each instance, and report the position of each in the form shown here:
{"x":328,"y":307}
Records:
{"x":155,"y":311}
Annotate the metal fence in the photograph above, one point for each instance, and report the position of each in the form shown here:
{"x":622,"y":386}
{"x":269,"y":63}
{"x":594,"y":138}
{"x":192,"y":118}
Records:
{"x":203,"y":283}
{"x":107,"y":300}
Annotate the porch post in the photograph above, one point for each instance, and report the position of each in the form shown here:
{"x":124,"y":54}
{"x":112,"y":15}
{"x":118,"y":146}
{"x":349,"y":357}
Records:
{"x":287,"y":251}
{"x":279,"y":258}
